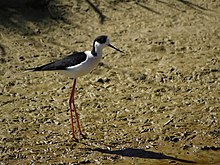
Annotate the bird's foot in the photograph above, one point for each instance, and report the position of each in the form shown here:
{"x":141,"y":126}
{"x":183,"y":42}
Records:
{"x":75,"y":139}
{"x":82,"y":136}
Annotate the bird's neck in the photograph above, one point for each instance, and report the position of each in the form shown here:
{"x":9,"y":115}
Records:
{"x":96,"y":51}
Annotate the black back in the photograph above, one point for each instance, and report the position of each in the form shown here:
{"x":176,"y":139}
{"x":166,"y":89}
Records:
{"x":70,"y":60}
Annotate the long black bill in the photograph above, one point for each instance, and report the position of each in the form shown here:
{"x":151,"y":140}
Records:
{"x":115,"y":48}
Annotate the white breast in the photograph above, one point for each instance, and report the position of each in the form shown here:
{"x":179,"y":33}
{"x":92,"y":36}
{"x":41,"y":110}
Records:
{"x":83,"y":68}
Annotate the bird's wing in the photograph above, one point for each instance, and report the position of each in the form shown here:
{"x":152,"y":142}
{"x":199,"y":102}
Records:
{"x":70,"y":60}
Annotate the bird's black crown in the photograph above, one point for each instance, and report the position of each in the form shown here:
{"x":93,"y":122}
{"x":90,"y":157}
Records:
{"x":101,"y":39}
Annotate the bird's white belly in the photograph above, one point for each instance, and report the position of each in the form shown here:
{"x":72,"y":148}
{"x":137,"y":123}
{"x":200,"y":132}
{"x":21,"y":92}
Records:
{"x":82,"y":68}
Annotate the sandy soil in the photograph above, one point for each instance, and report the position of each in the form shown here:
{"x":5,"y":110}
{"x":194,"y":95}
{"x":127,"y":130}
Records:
{"x":156,"y":104}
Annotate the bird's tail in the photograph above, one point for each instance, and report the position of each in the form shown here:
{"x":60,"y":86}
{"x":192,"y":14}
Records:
{"x":29,"y":70}
{"x":34,"y":69}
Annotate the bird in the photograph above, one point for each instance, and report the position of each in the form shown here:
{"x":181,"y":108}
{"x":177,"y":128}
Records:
{"x":75,"y":65}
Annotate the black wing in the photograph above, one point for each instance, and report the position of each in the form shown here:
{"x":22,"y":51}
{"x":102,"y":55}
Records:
{"x":70,"y":60}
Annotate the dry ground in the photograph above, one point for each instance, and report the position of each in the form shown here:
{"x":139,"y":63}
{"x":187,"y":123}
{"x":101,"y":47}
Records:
{"x":156,"y":104}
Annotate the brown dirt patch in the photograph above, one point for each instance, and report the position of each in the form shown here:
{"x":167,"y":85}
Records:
{"x":156,"y":104}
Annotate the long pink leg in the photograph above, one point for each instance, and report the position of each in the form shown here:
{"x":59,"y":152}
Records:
{"x":74,"y":107}
{"x":71,"y":110}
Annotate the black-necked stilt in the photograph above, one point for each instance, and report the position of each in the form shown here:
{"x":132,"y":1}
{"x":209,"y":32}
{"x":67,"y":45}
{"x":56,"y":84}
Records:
{"x":75,"y":65}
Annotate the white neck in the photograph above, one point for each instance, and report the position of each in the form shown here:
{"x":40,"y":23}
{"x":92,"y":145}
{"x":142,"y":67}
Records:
{"x":97,"y":48}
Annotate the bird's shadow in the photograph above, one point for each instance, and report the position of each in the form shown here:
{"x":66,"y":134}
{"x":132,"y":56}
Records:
{"x":140,"y":153}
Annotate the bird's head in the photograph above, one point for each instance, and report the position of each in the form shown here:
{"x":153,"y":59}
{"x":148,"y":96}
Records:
{"x":103,"y":41}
